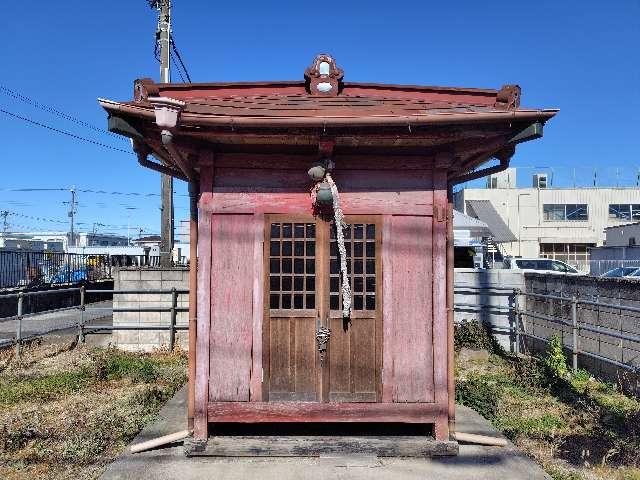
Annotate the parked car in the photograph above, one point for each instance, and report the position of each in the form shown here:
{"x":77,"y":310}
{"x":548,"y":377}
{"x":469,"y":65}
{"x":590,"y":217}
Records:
{"x":67,"y":275}
{"x":620,"y":272}
{"x":540,"y":265}
{"x":634,"y":275}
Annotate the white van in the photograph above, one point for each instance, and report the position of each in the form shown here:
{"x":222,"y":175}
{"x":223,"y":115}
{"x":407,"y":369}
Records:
{"x":540,"y":265}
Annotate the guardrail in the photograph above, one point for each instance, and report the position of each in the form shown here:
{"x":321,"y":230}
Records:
{"x":81,"y":326}
{"x":576,"y":326}
{"x":519,"y":313}
{"x":517,"y":329}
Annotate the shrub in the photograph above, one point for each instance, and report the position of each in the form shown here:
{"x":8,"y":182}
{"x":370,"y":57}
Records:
{"x":555,"y":360}
{"x":474,"y":335}
{"x":530,"y":371}
{"x":480,"y":395}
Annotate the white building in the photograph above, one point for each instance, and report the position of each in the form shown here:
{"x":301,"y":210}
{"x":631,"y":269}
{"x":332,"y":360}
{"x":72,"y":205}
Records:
{"x":626,"y":235}
{"x":82,"y":239}
{"x":560,"y":223}
{"x":14,"y":242}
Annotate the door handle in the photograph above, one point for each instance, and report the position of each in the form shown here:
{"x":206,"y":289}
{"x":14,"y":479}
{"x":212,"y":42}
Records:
{"x":323,"y":335}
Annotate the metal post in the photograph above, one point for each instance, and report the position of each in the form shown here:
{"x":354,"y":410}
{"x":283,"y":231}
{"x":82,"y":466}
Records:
{"x":82,"y":309}
{"x":574,"y":331}
{"x":19,"y":325}
{"x":172,"y":331}
{"x":516,"y":319}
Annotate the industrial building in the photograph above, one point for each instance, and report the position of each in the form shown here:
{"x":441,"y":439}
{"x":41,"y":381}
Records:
{"x":621,"y":249}
{"x":558,"y":223}
{"x":54,"y":240}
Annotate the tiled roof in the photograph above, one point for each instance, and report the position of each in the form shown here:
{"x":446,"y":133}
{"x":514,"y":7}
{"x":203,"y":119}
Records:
{"x":274,"y":106}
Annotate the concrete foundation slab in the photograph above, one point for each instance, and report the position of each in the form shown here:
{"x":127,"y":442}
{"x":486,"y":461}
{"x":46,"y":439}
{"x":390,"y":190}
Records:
{"x":473,"y":462}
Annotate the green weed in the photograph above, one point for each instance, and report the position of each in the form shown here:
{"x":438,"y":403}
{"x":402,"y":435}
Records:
{"x":557,"y":474}
{"x":555,"y":360}
{"x":111,"y":364}
{"x":479,"y":394}
{"x":540,"y":426}
{"x":41,"y":388}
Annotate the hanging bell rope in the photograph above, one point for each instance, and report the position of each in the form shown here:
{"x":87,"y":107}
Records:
{"x":324,"y":193}
{"x":339,"y":220}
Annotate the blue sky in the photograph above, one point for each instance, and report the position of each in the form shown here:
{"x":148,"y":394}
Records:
{"x":579,"y":56}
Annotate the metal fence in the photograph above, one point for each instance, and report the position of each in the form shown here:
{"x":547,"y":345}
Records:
{"x":572,"y":315}
{"x":578,"y":321}
{"x":598,"y":267}
{"x":609,"y":328}
{"x":32,"y":269}
{"x":81,"y":327}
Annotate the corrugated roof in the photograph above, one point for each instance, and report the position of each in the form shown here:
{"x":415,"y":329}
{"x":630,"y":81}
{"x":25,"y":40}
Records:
{"x":460,"y":220}
{"x":483,"y":210}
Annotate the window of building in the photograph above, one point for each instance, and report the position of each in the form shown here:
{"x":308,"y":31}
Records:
{"x":565,"y":211}
{"x":624,"y":211}
{"x":574,"y":254}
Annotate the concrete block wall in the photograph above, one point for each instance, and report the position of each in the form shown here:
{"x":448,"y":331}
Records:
{"x":606,"y":290}
{"x":467,"y":281}
{"x":149,"y":279}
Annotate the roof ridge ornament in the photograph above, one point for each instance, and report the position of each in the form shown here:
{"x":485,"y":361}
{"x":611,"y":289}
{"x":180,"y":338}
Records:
{"x":323,"y":77}
{"x":508,"y":98}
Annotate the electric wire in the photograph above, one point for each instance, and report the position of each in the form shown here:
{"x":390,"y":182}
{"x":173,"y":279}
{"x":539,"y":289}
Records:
{"x":179,"y":57}
{"x":64,"y":132}
{"x":47,"y":108}
{"x":178,"y":70}
{"x":88,"y":190}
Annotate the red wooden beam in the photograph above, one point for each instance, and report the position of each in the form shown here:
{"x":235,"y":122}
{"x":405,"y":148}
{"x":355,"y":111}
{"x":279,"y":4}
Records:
{"x":313,"y":412}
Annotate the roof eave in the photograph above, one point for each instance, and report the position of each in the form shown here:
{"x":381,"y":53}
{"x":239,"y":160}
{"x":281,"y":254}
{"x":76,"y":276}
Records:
{"x":191,"y":119}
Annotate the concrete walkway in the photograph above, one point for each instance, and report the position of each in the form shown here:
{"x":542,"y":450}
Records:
{"x":473,"y":463}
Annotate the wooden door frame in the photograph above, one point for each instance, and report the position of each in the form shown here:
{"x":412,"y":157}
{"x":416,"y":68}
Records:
{"x":377,"y":220}
{"x":266,"y":316}
{"x":322,"y":255}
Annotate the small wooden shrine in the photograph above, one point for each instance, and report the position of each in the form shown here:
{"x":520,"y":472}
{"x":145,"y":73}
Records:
{"x":270,"y":164}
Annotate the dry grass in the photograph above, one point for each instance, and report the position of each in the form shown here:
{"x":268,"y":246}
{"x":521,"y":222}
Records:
{"x":576,"y":427}
{"x":67,"y":412}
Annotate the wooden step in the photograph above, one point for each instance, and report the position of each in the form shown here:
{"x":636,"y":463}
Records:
{"x":313,"y":446}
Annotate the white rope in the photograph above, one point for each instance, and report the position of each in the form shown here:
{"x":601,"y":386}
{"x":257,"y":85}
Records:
{"x":339,"y":218}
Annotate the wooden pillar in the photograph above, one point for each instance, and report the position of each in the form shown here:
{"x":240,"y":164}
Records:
{"x":200,"y":425}
{"x":450,"y":314}
{"x":440,"y":330}
{"x":194,"y":193}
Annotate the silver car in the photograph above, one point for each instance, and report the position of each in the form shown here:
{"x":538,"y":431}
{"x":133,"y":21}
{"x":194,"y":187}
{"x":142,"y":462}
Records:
{"x":620,"y":272}
{"x":540,"y":265}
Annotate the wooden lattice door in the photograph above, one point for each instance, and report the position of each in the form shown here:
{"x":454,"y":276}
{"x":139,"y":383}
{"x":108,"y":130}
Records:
{"x":302,"y":294}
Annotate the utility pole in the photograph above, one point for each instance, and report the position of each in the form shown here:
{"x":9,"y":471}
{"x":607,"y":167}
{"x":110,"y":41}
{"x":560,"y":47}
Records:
{"x":72,"y":212}
{"x":163,"y":37}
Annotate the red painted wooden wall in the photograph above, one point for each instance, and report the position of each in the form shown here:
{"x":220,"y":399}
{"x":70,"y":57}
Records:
{"x":239,"y":190}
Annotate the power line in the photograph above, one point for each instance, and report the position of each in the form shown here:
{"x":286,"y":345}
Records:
{"x":86,"y":190}
{"x":63,"y":132}
{"x":177,"y":54}
{"x":39,"y":219}
{"x":55,"y":111}
{"x":179,"y":71}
